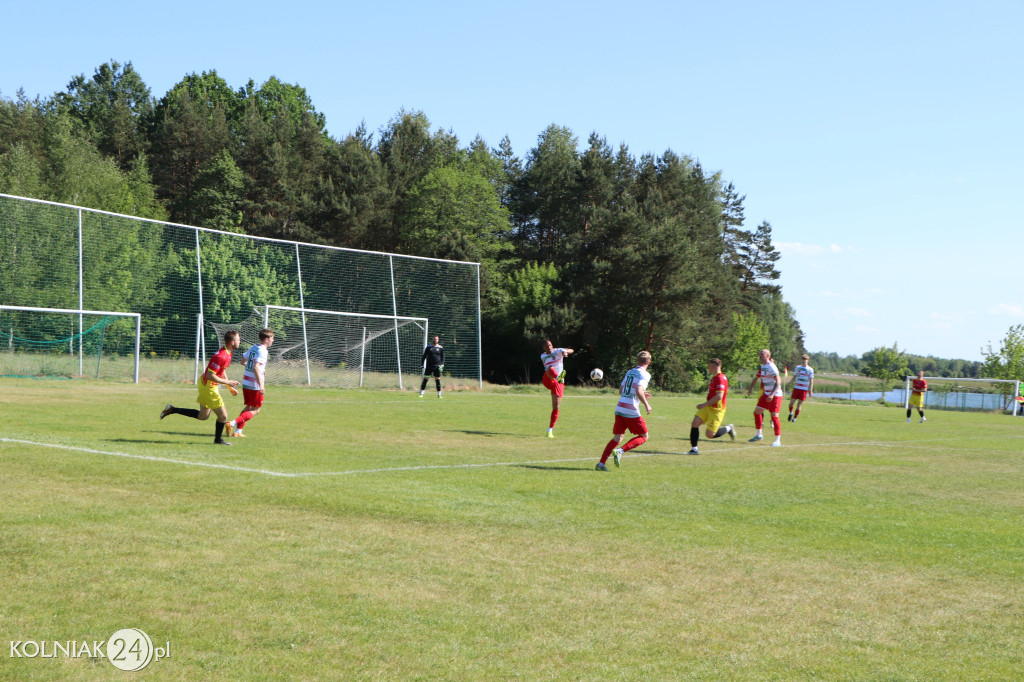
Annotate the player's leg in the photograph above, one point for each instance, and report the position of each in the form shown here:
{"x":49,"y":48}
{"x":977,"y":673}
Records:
{"x":758,"y":424}
{"x":777,"y":428}
{"x":714,"y":428}
{"x":437,"y":380}
{"x":611,"y":447}
{"x":222,"y":419}
{"x":557,"y":390}
{"x":794,"y":415}
{"x":791,"y":401}
{"x":184,"y":411}
{"x":695,"y":431}
{"x":423,"y":384}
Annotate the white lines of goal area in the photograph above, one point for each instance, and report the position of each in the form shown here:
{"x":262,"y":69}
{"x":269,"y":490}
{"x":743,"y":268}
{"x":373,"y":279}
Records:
{"x":484,"y":465}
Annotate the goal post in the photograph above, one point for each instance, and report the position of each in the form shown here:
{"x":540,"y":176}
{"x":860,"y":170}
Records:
{"x":1006,"y":389}
{"x":56,"y":341}
{"x":332,"y":348}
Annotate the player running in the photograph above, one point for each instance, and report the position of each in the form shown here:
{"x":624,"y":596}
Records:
{"x":803,"y":386}
{"x":433,"y":364}
{"x":918,"y":388}
{"x":712,"y":411}
{"x":632,"y":392}
{"x":771,"y":398}
{"x":554,"y":377}
{"x":209,"y":398}
{"x":254,"y":382}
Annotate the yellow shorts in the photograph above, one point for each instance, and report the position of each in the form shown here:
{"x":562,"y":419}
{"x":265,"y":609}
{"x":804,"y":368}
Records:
{"x":917,"y":399}
{"x":712,"y":417}
{"x":209,"y":396}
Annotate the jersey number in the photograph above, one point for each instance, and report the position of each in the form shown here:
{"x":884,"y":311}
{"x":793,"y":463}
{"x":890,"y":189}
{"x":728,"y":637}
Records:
{"x":250,"y":364}
{"x":627,"y":387}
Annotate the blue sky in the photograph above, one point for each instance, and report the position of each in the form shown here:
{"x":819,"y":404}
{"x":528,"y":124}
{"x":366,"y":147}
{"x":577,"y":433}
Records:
{"x":882,"y":140}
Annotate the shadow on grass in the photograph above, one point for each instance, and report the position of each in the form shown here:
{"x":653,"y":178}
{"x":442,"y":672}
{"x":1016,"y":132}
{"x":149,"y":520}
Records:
{"x":553,"y":468}
{"x":471,"y":432}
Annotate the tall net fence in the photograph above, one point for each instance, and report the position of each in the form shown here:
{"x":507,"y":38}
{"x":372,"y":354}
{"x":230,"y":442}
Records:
{"x":59,"y":256}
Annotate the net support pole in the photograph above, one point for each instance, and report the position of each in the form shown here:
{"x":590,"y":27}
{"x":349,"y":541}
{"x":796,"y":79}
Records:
{"x":81,"y":299}
{"x":199,"y":286}
{"x":302,"y":304}
{"x":199,"y":337}
{"x":1016,"y":392}
{"x":394,"y":309}
{"x":138,"y":345}
{"x":906,"y":394}
{"x":362,"y":357}
{"x":479,"y":346}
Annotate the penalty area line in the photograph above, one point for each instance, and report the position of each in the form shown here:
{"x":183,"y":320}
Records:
{"x":148,"y":458}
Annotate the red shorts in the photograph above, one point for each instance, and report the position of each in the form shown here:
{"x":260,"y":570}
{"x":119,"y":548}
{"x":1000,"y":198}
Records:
{"x":553,"y":386}
{"x":253,"y":398}
{"x":635,"y":425}
{"x":771,"y":404}
{"x":799,"y":394}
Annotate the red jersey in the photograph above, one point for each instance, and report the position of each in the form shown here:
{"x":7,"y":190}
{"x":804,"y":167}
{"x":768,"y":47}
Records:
{"x":718,"y":383}
{"x":920,"y":386}
{"x":218,"y":363}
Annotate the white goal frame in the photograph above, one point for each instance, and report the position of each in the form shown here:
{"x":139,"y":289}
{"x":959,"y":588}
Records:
{"x":80,"y":312}
{"x":362,"y":357}
{"x":1015,"y":382}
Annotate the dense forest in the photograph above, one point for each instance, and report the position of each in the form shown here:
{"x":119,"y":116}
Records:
{"x":601,"y":250}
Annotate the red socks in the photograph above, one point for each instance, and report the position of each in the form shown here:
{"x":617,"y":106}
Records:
{"x":554,"y":418}
{"x":777,"y":426}
{"x":758,"y":420}
{"x":243,"y":418}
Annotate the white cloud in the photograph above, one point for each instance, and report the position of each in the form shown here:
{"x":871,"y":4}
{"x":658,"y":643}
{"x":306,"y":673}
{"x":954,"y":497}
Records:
{"x":800,"y":249}
{"x":858,"y":312}
{"x":1006,"y":310}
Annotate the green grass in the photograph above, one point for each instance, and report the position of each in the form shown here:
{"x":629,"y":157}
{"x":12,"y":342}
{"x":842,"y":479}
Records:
{"x":448,"y":540}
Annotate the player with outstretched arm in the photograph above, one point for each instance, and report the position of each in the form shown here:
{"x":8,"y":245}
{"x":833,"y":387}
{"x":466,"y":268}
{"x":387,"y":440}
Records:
{"x":254,"y":382}
{"x":554,"y":377}
{"x":632,"y":392}
{"x":209,"y":397}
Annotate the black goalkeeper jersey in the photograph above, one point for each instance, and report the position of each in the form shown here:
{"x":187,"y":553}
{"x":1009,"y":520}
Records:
{"x":433,"y":356}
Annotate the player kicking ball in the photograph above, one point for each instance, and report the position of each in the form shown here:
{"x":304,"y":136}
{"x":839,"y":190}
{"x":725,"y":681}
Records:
{"x":254,"y":382}
{"x":632,"y":392}
{"x":554,"y":378}
{"x":711,"y":412}
{"x":209,"y":397}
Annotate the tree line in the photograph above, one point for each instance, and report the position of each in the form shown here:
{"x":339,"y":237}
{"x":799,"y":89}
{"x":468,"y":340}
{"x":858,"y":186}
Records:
{"x":602,"y":250}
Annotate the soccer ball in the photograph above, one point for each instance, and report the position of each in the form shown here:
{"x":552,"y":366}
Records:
{"x":596,"y":374}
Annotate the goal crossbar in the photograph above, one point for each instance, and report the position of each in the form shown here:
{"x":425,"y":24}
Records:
{"x":77,"y":311}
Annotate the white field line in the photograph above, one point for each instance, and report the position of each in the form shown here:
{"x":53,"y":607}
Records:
{"x":427,"y":467}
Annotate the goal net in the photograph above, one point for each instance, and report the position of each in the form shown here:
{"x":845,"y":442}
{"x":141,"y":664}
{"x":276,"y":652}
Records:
{"x":335,"y":349}
{"x":964,"y":394}
{"x":69,"y":343}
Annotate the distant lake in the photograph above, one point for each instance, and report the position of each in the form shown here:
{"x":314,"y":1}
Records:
{"x":946,"y":400}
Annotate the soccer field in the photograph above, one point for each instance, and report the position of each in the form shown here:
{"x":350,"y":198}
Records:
{"x":376,"y":535}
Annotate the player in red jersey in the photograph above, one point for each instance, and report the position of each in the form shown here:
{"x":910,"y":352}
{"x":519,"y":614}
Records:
{"x":209,"y":398}
{"x":711,"y":413}
{"x":918,"y":388}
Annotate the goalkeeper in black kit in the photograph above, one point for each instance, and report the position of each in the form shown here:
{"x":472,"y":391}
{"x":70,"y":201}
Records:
{"x":433,"y":364}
